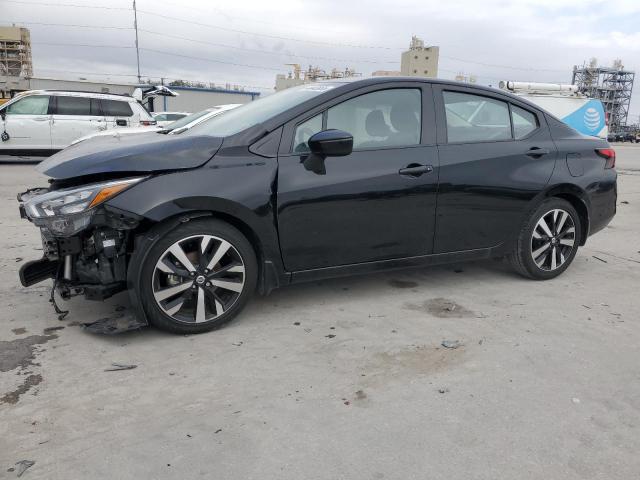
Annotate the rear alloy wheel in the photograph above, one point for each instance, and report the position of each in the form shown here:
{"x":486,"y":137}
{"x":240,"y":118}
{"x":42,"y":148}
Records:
{"x":553,"y":239}
{"x":548,"y":242}
{"x":198,"y":277}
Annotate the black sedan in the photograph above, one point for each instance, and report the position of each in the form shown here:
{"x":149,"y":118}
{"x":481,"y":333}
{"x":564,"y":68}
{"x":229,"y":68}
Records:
{"x":320,"y":180}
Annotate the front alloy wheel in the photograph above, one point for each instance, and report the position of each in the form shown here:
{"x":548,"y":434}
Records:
{"x":196,"y":277}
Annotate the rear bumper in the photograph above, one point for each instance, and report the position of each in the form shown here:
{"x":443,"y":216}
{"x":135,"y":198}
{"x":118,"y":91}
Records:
{"x":603,"y":205}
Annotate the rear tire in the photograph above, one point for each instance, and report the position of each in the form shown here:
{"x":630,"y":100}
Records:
{"x":548,"y":241}
{"x":197,"y":277}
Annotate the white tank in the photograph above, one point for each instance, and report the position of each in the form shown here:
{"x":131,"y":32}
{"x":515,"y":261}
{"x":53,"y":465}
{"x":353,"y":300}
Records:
{"x":538,"y":87}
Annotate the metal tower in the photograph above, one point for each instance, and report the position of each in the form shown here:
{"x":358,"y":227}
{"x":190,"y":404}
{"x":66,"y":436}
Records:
{"x":613,"y":86}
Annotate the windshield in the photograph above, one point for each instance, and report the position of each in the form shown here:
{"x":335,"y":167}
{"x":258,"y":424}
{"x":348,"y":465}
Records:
{"x":188,"y":119}
{"x":258,"y":111}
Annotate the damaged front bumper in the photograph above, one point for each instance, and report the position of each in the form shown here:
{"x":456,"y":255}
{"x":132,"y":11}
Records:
{"x":84,"y":253}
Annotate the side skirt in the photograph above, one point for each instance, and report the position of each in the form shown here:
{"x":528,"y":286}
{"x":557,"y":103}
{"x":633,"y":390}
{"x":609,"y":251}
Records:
{"x":395,"y":264}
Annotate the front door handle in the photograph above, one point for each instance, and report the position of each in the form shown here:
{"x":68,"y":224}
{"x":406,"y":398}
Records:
{"x":415,"y":170}
{"x":536,"y":152}
{"x":41,"y":119}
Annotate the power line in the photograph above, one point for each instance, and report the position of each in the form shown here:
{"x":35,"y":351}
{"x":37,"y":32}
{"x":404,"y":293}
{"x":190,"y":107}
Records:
{"x":218,"y":27}
{"x":493,"y":65}
{"x":80,"y":45}
{"x":203,"y":42}
{"x":75,"y":5}
{"x":68,"y":25}
{"x":260,"y":67}
{"x":244,"y":19}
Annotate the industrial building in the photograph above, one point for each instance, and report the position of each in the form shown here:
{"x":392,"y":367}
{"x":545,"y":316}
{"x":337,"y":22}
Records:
{"x":419,"y":60}
{"x":15,"y":52}
{"x":311,"y":74}
{"x":612,"y":85}
{"x":15,"y":59}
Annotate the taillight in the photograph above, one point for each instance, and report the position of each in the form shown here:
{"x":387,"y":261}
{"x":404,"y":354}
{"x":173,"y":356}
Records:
{"x":147,"y":123}
{"x":609,"y":154}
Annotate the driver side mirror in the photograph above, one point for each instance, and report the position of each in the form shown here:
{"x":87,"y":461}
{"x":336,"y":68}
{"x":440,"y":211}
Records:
{"x":331,"y":143}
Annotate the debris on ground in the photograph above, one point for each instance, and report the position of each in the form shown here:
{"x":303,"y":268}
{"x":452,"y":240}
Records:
{"x":52,"y":329}
{"x":19,"y":331}
{"x":625,"y":202}
{"x":117,"y":323}
{"x":575,"y":400}
{"x":331,"y":335}
{"x":296,"y":323}
{"x":23,"y":465}
{"x":443,"y":390}
{"x":237,"y":344}
{"x":598,"y":258}
{"x":218,"y":431}
{"x":360,"y":395}
{"x":451,"y":344}
{"x":19,"y":259}
{"x":120,"y":366}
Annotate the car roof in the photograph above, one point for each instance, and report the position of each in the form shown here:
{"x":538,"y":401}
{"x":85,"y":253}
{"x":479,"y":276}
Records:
{"x":76,"y":93}
{"x":438,"y":81}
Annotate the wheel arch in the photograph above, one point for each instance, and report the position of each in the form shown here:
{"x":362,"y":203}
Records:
{"x":578,"y":200}
{"x":256,"y":229}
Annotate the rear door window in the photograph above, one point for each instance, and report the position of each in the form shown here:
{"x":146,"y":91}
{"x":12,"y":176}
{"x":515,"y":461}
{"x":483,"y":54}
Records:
{"x":76,"y":106}
{"x":474,"y":118}
{"x":32,"y":105}
{"x":116,"y":108}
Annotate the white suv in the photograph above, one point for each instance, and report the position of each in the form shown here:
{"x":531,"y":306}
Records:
{"x":45,"y":121}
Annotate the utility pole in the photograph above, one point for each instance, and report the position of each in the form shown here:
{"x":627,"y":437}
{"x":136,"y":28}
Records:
{"x":135,"y":26}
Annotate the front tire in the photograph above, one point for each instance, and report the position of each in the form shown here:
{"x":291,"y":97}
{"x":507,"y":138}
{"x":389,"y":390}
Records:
{"x":197,"y":277}
{"x":548,"y":241}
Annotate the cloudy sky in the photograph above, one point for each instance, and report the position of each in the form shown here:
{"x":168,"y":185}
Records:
{"x":248,"y":42}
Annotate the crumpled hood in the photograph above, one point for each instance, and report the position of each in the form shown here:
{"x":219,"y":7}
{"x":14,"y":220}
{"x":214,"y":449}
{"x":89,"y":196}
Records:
{"x":143,"y":153}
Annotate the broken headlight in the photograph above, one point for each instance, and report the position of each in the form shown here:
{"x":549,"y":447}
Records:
{"x":67,"y":211}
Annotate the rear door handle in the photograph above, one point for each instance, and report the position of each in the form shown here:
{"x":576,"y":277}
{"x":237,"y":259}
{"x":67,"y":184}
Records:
{"x":537,"y":152}
{"x":41,"y":119}
{"x":415,"y":170}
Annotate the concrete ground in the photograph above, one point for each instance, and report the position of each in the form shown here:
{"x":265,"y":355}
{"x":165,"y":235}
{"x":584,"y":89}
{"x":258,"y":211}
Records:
{"x":342,"y":379}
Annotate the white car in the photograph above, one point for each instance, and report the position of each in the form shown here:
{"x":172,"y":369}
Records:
{"x":40,"y":122}
{"x":166,"y":118}
{"x":172,"y":129}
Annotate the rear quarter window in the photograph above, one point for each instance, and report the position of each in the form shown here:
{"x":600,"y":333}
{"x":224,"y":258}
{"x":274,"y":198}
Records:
{"x":116,"y":108}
